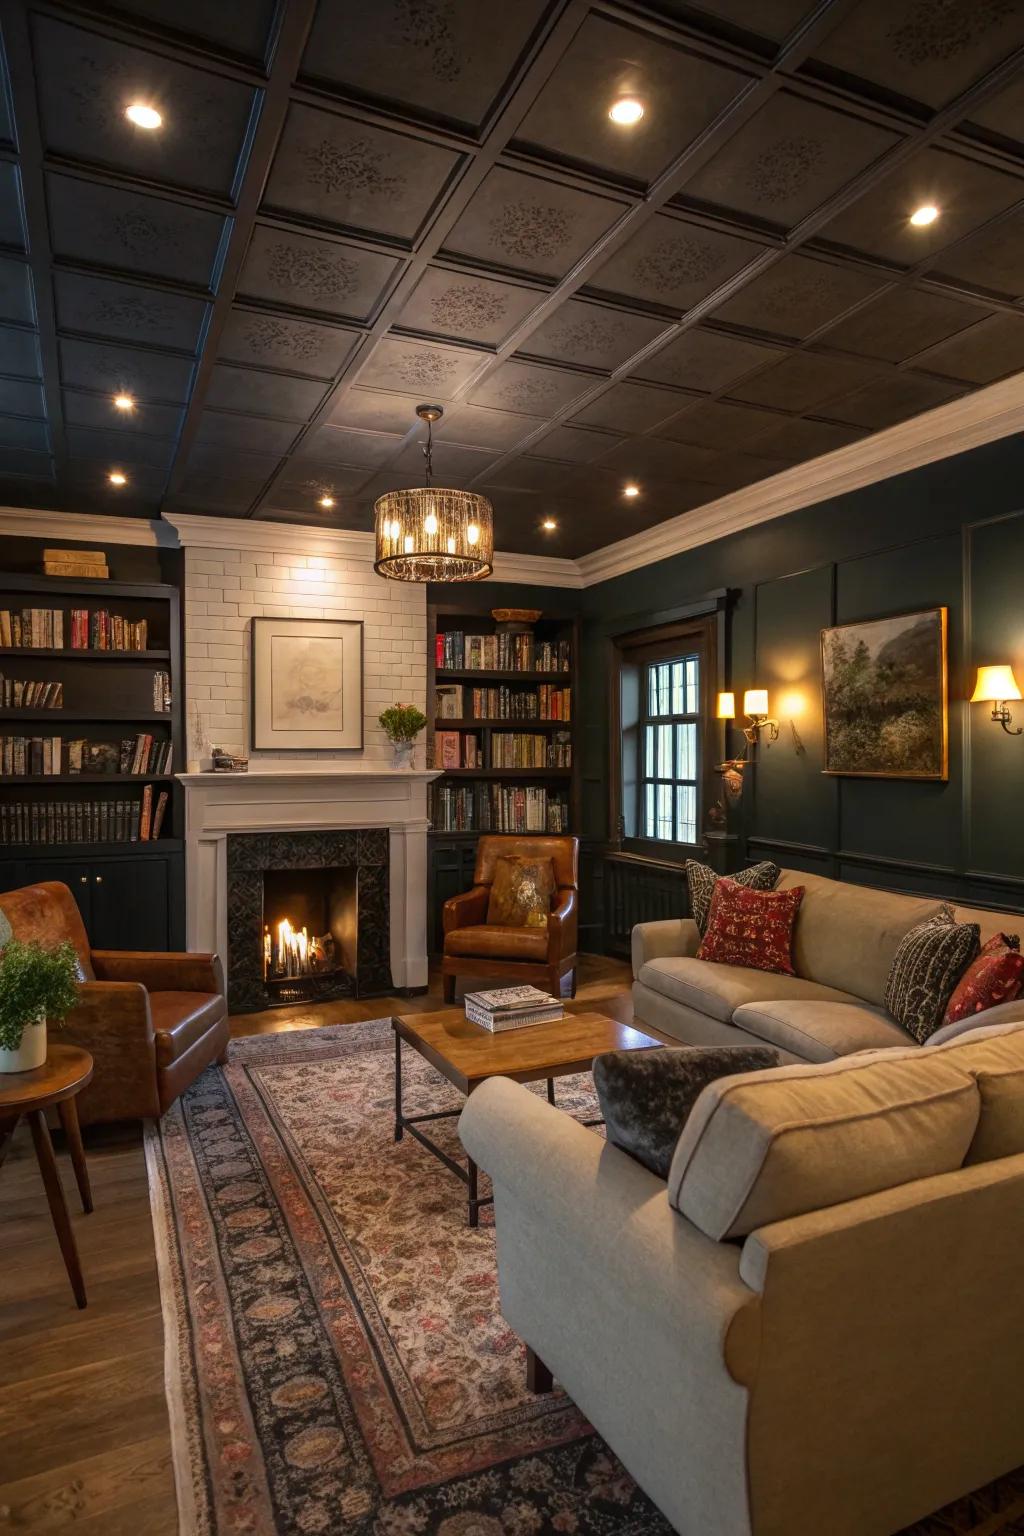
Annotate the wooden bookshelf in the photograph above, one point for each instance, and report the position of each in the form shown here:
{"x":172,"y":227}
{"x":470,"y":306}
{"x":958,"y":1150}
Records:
{"x":130,"y":892}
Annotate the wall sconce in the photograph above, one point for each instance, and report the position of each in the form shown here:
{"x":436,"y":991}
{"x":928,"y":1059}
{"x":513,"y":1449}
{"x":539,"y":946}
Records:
{"x":994,"y":686}
{"x":755,"y":707}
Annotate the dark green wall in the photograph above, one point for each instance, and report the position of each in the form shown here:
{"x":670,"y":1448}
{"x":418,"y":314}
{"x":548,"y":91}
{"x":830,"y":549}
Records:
{"x":950,"y":533}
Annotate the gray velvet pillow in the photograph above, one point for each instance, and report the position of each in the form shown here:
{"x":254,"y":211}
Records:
{"x":646,"y":1096}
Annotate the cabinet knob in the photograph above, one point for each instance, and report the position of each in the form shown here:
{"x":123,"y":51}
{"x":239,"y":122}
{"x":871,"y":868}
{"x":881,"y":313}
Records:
{"x":83,"y":879}
{"x":99,"y":879}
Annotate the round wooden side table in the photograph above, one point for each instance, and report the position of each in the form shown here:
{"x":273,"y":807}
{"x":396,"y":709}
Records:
{"x":65,"y":1072}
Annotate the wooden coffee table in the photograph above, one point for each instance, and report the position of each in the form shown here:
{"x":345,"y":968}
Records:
{"x":467,"y":1055}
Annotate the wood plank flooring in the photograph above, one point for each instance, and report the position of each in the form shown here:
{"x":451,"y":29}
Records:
{"x":84,"y":1439}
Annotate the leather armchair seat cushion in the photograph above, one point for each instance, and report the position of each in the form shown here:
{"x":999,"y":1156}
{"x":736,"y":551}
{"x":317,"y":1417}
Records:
{"x":718,"y":990}
{"x":181,"y":1019}
{"x":496,"y":941}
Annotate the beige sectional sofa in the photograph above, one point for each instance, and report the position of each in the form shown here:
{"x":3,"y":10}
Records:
{"x":845,"y":939}
{"x":814,"y":1327}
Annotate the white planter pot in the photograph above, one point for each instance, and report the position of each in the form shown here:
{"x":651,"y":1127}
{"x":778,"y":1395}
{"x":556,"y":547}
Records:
{"x":31,"y":1053}
{"x":402,"y":754}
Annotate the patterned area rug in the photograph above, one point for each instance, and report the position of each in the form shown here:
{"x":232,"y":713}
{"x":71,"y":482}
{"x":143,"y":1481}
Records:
{"x":336,"y":1358}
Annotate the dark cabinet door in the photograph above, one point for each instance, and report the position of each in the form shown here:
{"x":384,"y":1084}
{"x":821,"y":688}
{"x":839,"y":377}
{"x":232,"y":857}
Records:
{"x":74,"y":873}
{"x":130,"y":903}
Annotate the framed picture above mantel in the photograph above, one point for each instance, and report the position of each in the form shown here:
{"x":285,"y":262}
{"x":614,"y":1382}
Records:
{"x":885,"y":695}
{"x":306,"y":685}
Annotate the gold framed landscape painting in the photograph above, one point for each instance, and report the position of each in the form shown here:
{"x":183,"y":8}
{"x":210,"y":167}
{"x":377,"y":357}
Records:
{"x":885,"y":694}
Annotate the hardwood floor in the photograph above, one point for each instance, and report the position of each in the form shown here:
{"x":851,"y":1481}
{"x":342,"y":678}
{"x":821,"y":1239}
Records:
{"x":84,"y":1438}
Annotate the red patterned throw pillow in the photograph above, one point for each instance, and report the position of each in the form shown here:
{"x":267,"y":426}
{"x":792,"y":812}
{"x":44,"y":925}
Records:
{"x":996,"y":976}
{"x":752,"y":928}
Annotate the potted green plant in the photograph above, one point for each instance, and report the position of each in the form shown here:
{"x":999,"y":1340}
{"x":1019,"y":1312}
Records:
{"x":37,"y":986}
{"x":401,"y":724}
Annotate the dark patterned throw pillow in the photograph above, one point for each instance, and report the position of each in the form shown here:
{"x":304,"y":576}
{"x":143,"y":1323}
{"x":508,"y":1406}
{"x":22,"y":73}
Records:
{"x":701,"y":881}
{"x":924,"y":973}
{"x":646,"y":1096}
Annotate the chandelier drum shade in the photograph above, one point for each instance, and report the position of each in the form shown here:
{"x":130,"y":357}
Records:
{"x":432,"y":533}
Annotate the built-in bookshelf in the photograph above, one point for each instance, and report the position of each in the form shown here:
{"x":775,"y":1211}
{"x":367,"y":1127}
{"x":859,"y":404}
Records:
{"x":502,"y":696}
{"x":91,"y":737}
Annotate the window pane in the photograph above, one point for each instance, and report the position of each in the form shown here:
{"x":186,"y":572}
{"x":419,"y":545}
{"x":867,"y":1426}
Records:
{"x":664,"y":812}
{"x":678,"y":689}
{"x":650,"y":830}
{"x":686,"y":814}
{"x":692,"y":685}
{"x":664,"y":764}
{"x":652,"y":690}
{"x":686,"y":752}
{"x":665,"y":689}
{"x":648,"y":772}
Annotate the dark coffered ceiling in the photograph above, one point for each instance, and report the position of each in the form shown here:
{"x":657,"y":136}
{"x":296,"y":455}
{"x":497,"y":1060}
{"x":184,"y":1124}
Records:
{"x":355,"y":205}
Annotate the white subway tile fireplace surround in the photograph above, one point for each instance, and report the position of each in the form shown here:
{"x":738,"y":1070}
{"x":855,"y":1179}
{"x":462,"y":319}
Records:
{"x":304,"y":800}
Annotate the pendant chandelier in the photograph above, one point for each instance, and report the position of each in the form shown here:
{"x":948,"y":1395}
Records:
{"x":432,"y":534}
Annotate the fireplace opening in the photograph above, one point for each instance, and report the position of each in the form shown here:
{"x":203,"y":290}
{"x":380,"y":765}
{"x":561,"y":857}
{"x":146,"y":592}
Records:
{"x":309,"y":930}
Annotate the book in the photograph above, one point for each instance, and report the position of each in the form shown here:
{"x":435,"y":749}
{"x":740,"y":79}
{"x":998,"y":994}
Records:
{"x":448,"y":701}
{"x":447,"y":752}
{"x":510,"y":999}
{"x":146,"y":814}
{"x":75,"y":570}
{"x":76,"y":556}
{"x":496,"y":1024}
{"x":159,"y":813}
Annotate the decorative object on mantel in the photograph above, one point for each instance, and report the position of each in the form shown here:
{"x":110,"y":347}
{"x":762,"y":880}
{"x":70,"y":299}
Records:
{"x":885,"y":697}
{"x":200,"y":759}
{"x":307,"y":685}
{"x":402,"y":723}
{"x":75,"y":563}
{"x":37,"y":986}
{"x":224,"y":762}
{"x":430,"y":533}
{"x":995,"y":686}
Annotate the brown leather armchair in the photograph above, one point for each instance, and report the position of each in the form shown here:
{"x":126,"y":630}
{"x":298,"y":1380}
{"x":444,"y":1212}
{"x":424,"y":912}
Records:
{"x":475,"y":947}
{"x":152,"y":1022}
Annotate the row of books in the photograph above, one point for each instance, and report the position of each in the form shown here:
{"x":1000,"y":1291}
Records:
{"x":453,"y":701}
{"x":48,"y":755}
{"x":455,"y":651}
{"x":512,"y":1008}
{"x":457,"y":749}
{"x":161,"y":693}
{"x":53,"y":629}
{"x":519,"y":749}
{"x":29,"y":693}
{"x":139,"y":820}
{"x":498,"y":808}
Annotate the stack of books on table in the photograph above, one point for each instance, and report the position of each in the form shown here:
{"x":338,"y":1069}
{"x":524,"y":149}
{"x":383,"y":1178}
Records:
{"x":512,"y":1008}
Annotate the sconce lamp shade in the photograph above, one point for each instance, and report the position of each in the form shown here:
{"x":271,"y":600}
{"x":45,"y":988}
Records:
{"x":726,"y":706}
{"x":995,"y":685}
{"x":755,"y":701}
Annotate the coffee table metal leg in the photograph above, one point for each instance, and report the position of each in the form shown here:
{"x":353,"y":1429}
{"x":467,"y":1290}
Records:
{"x":474,"y":1206}
{"x":551,"y":1090}
{"x":55,"y":1197}
{"x":398,"y":1086}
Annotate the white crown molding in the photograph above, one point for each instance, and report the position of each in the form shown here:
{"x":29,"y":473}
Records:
{"x":84,"y":528}
{"x":982,"y":417}
{"x":537,"y":570}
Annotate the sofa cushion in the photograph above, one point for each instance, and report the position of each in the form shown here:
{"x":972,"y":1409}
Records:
{"x":771,"y":1145}
{"x":719,"y":990}
{"x":180,"y":1019}
{"x":701,"y":881}
{"x":646,"y":1096}
{"x":498,"y":941}
{"x":846,"y":936}
{"x":994,"y":1057}
{"x":929,"y":962}
{"x":820,"y":1031}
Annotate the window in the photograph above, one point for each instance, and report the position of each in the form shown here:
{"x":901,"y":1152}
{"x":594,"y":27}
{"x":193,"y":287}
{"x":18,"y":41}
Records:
{"x":670,"y":749}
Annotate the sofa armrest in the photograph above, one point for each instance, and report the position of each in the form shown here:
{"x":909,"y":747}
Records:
{"x":160,"y":971}
{"x":111,"y":1020}
{"x":467,"y":910}
{"x":563,"y":924}
{"x":669,"y":936}
{"x":599,"y":1205}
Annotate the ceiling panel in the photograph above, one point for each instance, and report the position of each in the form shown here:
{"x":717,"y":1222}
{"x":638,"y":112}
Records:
{"x":124,"y":449}
{"x":98,"y":412}
{"x":591,"y":335}
{"x":992,"y":260}
{"x":797,"y":296}
{"x":16,"y":302}
{"x":300,"y":272}
{"x":531,"y":224}
{"x":630,"y":407}
{"x":673,"y":263}
{"x":124,"y":370}
{"x":480,"y":428}
{"x":267,"y":394}
{"x":445,"y":61}
{"x":28,"y":436}
{"x":704,"y":360}
{"x":12,"y":224}
{"x":575,"y":445}
{"x":376,"y":411}
{"x":114,"y":228}
{"x":529,"y":388}
{"x":654,"y":458}
{"x":802,"y":438}
{"x":891,"y":399}
{"x":788,"y":159}
{"x":803,"y":381}
{"x":925,"y":52}
{"x":900,"y":323}
{"x":250,"y":434}
{"x":717,"y":424}
{"x":338,"y":445}
{"x":681,"y":94}
{"x":243,"y":29}
{"x":21,"y":398}
{"x":297,"y":346}
{"x":467,"y":307}
{"x":988,"y":351}
{"x":338,"y":170}
{"x":97,"y":306}
{"x":431,"y":369}
{"x":964,"y":192}
{"x":1003,"y":114}
{"x":20,"y":352}
{"x":85,"y":82}
{"x":763,"y":18}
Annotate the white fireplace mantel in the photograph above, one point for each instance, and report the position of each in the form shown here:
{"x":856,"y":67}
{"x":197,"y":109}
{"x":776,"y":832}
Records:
{"x":309,"y":800}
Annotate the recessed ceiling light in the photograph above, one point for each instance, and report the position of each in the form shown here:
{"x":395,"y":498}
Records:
{"x":327,"y":501}
{"x":143,"y":115}
{"x":631,"y":490}
{"x":124,"y":402}
{"x":117,"y":478}
{"x":626,"y":111}
{"x":926,"y":214}
{"x":550,"y":524}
